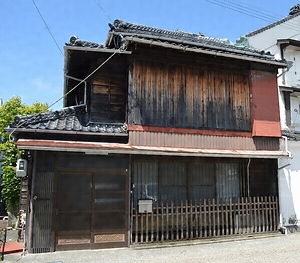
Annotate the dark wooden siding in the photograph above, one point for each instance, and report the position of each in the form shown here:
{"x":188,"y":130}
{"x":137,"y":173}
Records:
{"x":109,"y":92}
{"x":78,"y":201}
{"x":41,"y":235}
{"x":189,"y":96}
{"x":92,"y":201}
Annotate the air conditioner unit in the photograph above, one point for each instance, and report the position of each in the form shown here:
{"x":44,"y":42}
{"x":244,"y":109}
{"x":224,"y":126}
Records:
{"x":21,"y":168}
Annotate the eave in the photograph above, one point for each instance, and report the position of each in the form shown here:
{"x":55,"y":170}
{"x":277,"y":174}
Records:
{"x":288,"y":42}
{"x":118,"y":148}
{"x":102,"y":50}
{"x":228,"y":51}
{"x":58,"y":132}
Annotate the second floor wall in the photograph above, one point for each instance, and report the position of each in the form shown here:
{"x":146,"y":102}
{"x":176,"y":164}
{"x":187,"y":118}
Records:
{"x":189,"y":96}
{"x":168,"y":89}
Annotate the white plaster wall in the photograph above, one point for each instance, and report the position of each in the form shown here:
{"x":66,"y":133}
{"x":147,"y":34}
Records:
{"x":295,"y":112}
{"x":288,"y":177}
{"x":285,"y":30}
{"x":289,"y":186}
{"x":267,"y":41}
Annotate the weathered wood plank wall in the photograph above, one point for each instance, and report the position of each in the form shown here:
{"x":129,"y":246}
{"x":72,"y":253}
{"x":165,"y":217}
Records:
{"x":189,"y":96}
{"x":109,"y":93}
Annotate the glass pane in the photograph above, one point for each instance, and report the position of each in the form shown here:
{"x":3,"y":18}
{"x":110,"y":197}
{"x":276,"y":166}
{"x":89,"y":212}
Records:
{"x":172,"y":181}
{"x":202,"y":180}
{"x":228,"y":183}
{"x":145,"y":178}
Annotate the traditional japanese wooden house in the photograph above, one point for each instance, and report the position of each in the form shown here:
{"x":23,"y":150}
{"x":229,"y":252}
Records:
{"x":164,"y":135}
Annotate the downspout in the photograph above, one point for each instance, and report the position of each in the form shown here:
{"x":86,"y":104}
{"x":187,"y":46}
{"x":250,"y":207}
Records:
{"x":289,"y":63}
{"x":85,"y":88}
{"x":282,"y":57}
{"x":282,"y":228}
{"x":286,"y":147}
{"x":248,"y":176}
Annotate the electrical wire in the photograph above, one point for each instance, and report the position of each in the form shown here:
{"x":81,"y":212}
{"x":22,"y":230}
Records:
{"x":255,"y":12}
{"x":241,"y":9}
{"x":103,"y":10}
{"x":52,"y":36}
{"x":120,"y":50}
{"x":117,"y":51}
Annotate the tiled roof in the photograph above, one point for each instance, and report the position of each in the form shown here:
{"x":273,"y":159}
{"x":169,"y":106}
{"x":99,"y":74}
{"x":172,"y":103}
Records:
{"x":75,"y":41}
{"x":292,"y":136}
{"x":279,"y":22}
{"x":71,"y":119}
{"x":126,"y":28}
{"x":121,"y":33}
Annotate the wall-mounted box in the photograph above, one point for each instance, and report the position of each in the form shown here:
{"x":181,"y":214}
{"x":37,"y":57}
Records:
{"x":21,"y":168}
{"x":145,"y":206}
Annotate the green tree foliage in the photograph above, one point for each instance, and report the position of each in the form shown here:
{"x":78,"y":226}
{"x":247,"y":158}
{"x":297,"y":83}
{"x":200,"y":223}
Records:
{"x":8,"y":111}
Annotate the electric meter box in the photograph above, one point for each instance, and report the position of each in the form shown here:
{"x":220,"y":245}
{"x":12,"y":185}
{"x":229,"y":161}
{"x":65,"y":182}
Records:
{"x":21,"y":168}
{"x":145,"y":206}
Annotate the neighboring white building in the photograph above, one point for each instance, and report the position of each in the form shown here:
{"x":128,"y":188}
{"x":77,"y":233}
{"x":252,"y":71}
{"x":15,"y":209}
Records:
{"x":282,"y":39}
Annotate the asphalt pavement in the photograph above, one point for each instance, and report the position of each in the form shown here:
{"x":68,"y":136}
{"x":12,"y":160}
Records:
{"x":267,"y":248}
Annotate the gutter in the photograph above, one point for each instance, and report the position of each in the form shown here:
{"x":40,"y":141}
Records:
{"x":282,"y":46}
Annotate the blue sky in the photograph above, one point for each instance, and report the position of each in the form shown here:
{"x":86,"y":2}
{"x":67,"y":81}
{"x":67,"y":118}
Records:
{"x":31,"y":64}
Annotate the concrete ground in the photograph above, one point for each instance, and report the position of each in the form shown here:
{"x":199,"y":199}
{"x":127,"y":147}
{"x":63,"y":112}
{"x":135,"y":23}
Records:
{"x":264,"y":249}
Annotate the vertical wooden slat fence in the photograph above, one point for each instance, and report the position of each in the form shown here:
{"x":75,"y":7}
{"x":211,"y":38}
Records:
{"x":205,"y":218}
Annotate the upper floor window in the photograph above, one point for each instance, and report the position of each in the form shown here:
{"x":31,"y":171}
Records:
{"x":108,"y":101}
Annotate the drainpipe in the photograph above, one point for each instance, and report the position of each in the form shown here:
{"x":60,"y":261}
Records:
{"x":85,"y":88}
{"x":281,"y":46}
{"x":282,"y":228}
{"x":248,"y":176}
{"x":289,"y":63}
{"x":286,"y":147}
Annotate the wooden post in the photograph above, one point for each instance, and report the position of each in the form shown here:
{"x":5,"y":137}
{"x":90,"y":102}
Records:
{"x":255,"y":215}
{"x":205,"y":217}
{"x":181,"y":219}
{"x":147,"y":227}
{"x":177,"y":221}
{"x":259,"y":216}
{"x":172,"y":220}
{"x":157,"y":222}
{"x":167,"y":221}
{"x":162,"y":222}
{"x":231,"y":218}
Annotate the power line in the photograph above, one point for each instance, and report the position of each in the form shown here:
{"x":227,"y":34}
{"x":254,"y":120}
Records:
{"x":120,"y":50}
{"x":47,"y":27}
{"x":103,"y":10}
{"x":242,"y":9}
{"x":253,"y":11}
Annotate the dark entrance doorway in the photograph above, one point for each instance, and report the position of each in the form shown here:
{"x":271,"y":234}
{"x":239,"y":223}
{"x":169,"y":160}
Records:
{"x":92,"y":204}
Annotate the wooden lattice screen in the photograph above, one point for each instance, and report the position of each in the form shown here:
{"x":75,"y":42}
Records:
{"x":205,"y":218}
